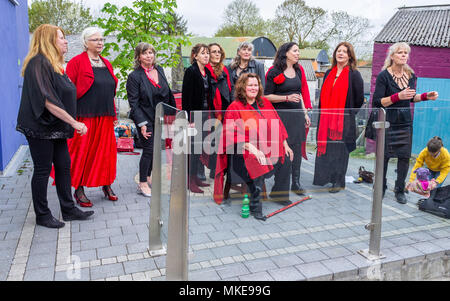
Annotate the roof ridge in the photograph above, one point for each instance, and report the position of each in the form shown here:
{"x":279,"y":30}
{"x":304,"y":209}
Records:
{"x":426,"y":7}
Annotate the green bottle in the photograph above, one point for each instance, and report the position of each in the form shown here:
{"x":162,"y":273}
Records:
{"x":245,"y":207}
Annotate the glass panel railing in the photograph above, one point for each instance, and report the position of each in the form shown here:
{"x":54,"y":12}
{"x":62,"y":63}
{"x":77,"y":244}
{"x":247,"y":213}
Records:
{"x":319,"y":200}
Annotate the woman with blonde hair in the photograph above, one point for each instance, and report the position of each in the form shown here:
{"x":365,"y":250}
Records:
{"x":94,"y":155}
{"x":46,"y":118}
{"x":394,"y":91}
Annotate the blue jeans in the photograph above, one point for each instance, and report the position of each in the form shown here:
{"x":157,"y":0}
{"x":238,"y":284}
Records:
{"x":435,"y":175}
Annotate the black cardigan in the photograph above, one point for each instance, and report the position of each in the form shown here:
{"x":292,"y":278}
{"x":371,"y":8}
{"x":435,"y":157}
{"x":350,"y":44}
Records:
{"x":354,"y":101}
{"x":193,"y":90}
{"x":140,"y":96}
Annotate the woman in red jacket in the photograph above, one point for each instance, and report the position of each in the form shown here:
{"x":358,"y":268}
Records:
{"x":93,"y":155}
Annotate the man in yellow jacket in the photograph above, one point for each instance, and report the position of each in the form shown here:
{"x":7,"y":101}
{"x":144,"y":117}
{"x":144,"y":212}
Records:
{"x":436,"y":158}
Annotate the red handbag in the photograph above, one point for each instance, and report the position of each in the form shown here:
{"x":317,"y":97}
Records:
{"x":125,"y":144}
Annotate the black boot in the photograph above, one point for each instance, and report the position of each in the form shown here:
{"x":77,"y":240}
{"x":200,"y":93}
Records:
{"x":296,"y":187}
{"x":400,"y":195}
{"x":255,"y":197}
{"x":201,"y":172}
{"x":76,"y":214}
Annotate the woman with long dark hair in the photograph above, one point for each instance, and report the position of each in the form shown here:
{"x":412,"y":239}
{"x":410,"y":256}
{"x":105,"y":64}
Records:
{"x":47,"y":119}
{"x":146,"y":87}
{"x":395,"y":90}
{"x":341,"y":95}
{"x":197,"y":95}
{"x":287,"y":89}
{"x":93,"y":156}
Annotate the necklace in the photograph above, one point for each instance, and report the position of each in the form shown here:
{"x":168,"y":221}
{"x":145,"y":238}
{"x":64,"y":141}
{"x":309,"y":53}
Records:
{"x":96,"y":62}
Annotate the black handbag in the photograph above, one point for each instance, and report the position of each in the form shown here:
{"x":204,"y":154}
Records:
{"x":366,"y":176}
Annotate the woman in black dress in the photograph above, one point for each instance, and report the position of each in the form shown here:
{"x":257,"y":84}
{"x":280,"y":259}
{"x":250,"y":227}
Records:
{"x":46,"y":118}
{"x":287,"y":89}
{"x":197,"y":95}
{"x":394,"y":91}
{"x":146,"y":87}
{"x":341,"y":95}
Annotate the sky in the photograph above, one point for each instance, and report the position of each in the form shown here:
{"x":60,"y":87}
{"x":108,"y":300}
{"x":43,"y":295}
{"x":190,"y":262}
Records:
{"x":204,"y":17}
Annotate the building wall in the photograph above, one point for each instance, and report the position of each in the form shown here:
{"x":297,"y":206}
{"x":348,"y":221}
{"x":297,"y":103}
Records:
{"x":14,"y":33}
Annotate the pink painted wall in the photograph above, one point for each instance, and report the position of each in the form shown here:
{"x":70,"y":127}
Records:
{"x":425,"y":61}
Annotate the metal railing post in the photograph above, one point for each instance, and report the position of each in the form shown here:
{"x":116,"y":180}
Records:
{"x":177,"y":242}
{"x":156,"y":247}
{"x":373,"y":253}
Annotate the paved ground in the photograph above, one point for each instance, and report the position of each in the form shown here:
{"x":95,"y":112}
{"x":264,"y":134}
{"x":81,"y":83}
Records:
{"x":317,"y":240}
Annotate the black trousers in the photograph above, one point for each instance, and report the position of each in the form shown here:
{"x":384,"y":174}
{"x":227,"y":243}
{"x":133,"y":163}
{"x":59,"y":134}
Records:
{"x":44,"y":152}
{"x":281,"y":172}
{"x":146,"y":161}
{"x":402,"y":172}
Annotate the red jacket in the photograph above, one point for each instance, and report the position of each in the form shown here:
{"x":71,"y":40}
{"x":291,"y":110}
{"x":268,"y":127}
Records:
{"x":80,"y":72}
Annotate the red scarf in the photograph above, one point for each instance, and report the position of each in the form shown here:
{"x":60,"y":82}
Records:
{"x":147,"y":72}
{"x":217,"y":101}
{"x":332,"y":105}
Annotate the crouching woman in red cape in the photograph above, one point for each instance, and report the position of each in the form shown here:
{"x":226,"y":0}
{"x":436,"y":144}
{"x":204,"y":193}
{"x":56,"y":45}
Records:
{"x":254,"y":138}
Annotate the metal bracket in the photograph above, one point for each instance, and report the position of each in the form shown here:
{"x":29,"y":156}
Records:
{"x":381,"y":124}
{"x":160,"y":252}
{"x":369,"y":256}
{"x":369,"y":226}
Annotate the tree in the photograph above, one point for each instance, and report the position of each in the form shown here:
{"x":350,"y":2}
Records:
{"x":151,"y":21}
{"x":296,"y":22}
{"x":242,"y":18}
{"x":72,"y":17}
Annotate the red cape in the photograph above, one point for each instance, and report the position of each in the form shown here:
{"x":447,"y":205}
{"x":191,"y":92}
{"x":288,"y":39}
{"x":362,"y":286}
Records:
{"x":241,"y":125}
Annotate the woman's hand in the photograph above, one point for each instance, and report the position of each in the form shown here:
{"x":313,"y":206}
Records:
{"x":407,"y":93}
{"x":80,"y":127}
{"x":307,"y":120}
{"x":257,"y":153}
{"x":294,"y":98}
{"x":433,"y":95}
{"x":145,"y":133}
{"x":288,"y":150}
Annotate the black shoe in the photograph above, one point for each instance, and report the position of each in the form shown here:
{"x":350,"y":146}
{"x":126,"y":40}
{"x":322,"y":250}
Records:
{"x":297,"y":189}
{"x":335,"y":188}
{"x":400,"y":197}
{"x":256,"y":211}
{"x":77,"y":214}
{"x":281,"y":199}
{"x":50,"y":223}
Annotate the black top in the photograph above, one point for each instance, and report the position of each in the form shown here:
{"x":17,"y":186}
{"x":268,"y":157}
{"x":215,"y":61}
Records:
{"x":42,"y":83}
{"x":99,"y":99}
{"x":143,"y":96}
{"x":288,"y":87}
{"x":206,"y":86}
{"x":398,"y":113}
{"x":193,"y":90}
{"x":252,"y":67}
{"x":224,"y":89}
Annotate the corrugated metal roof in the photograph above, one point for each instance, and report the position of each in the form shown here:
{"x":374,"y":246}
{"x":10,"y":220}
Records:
{"x":309,"y":70}
{"x":420,"y":26}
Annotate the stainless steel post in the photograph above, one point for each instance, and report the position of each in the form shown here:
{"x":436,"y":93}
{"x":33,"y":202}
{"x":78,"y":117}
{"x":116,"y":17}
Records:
{"x":373,"y":253}
{"x":156,"y":247}
{"x":177,"y":244}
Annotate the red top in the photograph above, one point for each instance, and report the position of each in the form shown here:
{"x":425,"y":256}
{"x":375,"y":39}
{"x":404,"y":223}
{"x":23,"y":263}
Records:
{"x":80,"y":72}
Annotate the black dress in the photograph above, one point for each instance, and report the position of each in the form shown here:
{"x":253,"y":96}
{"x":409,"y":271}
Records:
{"x":331,"y":167}
{"x":42,"y":83}
{"x":294,"y":121}
{"x":399,"y":135}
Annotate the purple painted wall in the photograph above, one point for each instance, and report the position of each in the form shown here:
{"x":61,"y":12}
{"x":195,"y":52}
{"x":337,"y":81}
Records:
{"x":426,"y":62}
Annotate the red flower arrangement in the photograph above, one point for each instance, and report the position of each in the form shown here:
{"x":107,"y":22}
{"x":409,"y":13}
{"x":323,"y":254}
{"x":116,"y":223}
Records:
{"x":279,"y":79}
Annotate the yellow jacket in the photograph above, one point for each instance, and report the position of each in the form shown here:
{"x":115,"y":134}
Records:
{"x":441,"y":163}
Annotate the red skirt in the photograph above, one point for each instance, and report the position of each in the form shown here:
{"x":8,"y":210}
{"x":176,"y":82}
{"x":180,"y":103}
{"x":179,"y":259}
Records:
{"x":94,"y":155}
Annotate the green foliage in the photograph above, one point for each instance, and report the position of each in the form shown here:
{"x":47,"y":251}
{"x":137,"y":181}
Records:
{"x":151,"y":21}
{"x":72,"y":17}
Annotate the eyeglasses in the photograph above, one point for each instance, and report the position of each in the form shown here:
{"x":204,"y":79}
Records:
{"x":97,"y":40}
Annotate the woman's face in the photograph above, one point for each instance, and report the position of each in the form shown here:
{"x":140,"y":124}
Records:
{"x":61,"y":42}
{"x":293,"y":54}
{"x":252,"y":88}
{"x":400,"y":57}
{"x":147,"y":58}
{"x":342,"y":55}
{"x":215,"y":54}
{"x":202,"y":56}
{"x":95,"y":43}
{"x":245,"y":53}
